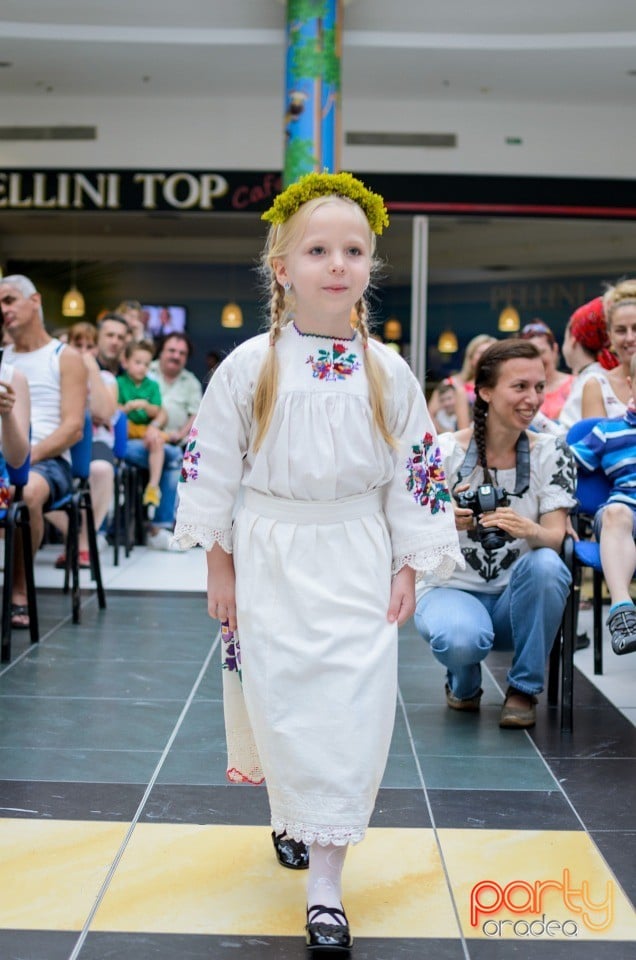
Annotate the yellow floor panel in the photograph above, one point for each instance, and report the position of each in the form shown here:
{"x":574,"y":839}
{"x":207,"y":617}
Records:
{"x":213,"y":879}
{"x":220,"y":880}
{"x":52,"y":870}
{"x":534,"y":885}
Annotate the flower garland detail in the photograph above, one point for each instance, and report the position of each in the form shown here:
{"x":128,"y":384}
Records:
{"x":426,"y":479}
{"x":323,"y":185}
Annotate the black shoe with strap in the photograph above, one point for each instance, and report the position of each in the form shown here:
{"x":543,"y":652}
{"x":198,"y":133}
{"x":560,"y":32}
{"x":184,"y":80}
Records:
{"x":332,"y":938}
{"x":292,"y":854}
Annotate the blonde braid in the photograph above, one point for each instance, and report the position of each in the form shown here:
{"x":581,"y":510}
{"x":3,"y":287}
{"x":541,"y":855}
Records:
{"x":375,"y":374}
{"x":267,"y":384}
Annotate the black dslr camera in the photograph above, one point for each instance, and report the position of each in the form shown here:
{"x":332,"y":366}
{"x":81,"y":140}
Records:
{"x":485,"y":499}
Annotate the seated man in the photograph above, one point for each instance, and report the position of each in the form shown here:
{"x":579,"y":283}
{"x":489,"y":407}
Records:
{"x":612,"y":446}
{"x":181,"y":391}
{"x":58,"y":382}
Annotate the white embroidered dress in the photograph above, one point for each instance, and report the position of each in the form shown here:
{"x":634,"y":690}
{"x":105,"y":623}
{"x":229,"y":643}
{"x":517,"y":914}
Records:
{"x":327,"y":512}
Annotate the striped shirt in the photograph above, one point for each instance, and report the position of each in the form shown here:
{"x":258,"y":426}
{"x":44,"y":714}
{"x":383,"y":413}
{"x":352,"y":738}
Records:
{"x":611,"y":445}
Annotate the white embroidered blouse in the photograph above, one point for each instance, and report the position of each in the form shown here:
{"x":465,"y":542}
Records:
{"x":322,"y":445}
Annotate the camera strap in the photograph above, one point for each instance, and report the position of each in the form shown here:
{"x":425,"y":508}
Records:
{"x":522,"y":469}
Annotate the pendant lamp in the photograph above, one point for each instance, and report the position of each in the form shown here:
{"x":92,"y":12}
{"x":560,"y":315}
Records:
{"x":509,"y":321}
{"x":447,"y":342}
{"x":73,"y":303}
{"x":231,"y":316}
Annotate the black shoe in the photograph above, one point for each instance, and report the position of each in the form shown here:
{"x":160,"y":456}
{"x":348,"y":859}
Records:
{"x":292,"y":854}
{"x":329,"y":937}
{"x":582,"y":641}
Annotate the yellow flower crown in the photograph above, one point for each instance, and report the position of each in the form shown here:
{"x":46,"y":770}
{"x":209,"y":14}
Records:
{"x":323,"y":185}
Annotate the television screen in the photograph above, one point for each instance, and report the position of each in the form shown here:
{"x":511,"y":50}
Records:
{"x":161,"y":319}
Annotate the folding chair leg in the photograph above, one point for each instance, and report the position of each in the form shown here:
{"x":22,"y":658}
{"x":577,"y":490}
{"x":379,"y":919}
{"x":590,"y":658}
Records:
{"x":73,"y":551}
{"x":567,"y":662}
{"x":7,"y":590}
{"x":27,"y":548}
{"x":598,"y":622}
{"x":117,"y":516}
{"x":96,"y":568}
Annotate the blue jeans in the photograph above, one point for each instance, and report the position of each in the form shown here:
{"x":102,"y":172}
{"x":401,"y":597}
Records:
{"x":137,"y":454}
{"x":462,"y":627}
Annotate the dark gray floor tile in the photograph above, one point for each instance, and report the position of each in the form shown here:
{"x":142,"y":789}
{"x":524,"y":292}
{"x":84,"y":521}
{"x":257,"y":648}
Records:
{"x":401,"y":808}
{"x":525,"y":949}
{"x":601,"y":791}
{"x":187,"y":803}
{"x":502,"y":810}
{"x":103,"y":946}
{"x":69,"y":801}
{"x":617,"y":847}
{"x":36,"y":944}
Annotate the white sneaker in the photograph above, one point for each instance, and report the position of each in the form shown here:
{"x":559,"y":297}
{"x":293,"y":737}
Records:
{"x":102,"y":543}
{"x":159,"y":540}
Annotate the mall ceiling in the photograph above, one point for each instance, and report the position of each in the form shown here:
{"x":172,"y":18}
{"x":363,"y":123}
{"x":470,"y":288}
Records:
{"x":575,"y":52}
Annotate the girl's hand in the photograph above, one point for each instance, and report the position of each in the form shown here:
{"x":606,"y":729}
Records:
{"x":402,"y":601}
{"x":520,"y":528}
{"x":221,"y":586}
{"x":464,"y":516}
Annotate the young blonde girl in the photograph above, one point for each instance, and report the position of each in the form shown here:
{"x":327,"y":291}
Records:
{"x":325,"y":435}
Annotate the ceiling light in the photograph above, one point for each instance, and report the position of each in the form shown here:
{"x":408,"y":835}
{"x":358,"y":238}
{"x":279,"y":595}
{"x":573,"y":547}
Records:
{"x":73,"y":303}
{"x":447,"y":342}
{"x":231,"y":316}
{"x":509,"y":321}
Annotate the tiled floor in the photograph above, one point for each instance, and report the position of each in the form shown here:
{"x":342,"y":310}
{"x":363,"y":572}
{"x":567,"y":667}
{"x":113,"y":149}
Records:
{"x":121,"y":839}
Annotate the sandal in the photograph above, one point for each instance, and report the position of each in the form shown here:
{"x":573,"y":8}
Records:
{"x":20,"y":616}
{"x":328,"y":936}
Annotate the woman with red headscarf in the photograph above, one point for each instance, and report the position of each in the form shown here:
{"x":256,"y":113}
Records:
{"x":608,"y":394}
{"x":587,"y":354}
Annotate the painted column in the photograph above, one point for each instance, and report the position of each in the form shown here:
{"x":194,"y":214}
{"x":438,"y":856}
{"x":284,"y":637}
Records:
{"x":312,"y":102}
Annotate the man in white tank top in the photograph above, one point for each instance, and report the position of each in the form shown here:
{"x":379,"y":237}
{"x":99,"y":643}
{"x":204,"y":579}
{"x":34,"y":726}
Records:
{"x":57,"y":382}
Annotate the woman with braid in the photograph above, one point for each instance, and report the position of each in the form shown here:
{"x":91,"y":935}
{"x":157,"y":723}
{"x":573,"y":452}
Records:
{"x":325,"y":435}
{"x":513,"y":489}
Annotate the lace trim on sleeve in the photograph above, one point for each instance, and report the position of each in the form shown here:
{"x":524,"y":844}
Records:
{"x":439,"y":562}
{"x":187,"y":535}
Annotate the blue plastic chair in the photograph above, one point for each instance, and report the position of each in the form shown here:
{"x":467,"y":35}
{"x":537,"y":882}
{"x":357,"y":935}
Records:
{"x":16,"y":517}
{"x":592,"y":491}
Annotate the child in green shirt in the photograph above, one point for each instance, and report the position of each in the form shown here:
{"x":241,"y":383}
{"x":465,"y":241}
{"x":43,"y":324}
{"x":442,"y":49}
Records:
{"x":140,"y":398}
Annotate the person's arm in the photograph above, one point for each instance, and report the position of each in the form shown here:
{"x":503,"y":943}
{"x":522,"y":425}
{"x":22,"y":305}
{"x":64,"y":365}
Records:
{"x":15,"y":411}
{"x":221,"y":585}
{"x":73,"y":378}
{"x":102,"y":396}
{"x":178,"y":436}
{"x":462,"y":406}
{"x":592,"y":403}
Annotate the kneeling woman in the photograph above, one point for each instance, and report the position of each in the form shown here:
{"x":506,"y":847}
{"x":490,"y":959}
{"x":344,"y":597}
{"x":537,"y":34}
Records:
{"x":512,"y":490}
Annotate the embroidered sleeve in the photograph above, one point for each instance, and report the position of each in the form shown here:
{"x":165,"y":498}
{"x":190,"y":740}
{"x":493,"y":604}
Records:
{"x":212,"y":465}
{"x":418,"y":505}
